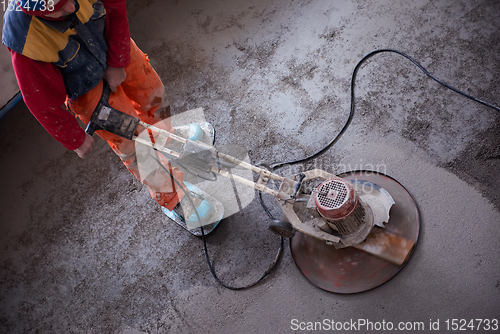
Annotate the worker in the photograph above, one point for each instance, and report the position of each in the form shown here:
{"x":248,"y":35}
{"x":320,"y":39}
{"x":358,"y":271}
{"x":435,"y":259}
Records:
{"x":61,"y":51}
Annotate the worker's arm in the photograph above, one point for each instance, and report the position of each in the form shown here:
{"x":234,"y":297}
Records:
{"x":44,"y":93}
{"x":118,"y":40}
{"x":86,"y":147}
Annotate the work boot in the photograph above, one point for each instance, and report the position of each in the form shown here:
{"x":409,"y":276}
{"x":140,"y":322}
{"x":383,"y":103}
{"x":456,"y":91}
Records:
{"x":206,"y":208}
{"x":203,"y":132}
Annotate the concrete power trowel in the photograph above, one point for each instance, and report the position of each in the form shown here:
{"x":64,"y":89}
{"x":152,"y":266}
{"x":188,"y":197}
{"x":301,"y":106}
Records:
{"x":350,"y":233}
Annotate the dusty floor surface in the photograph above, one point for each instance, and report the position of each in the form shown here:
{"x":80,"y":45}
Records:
{"x":84,"y":249}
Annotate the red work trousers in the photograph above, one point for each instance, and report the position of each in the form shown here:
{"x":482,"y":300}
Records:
{"x":140,"y":95}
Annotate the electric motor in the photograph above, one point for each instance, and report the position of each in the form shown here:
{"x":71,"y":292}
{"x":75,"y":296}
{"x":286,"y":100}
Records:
{"x":338,"y":203}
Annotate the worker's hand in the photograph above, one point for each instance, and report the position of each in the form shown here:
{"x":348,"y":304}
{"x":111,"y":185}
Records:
{"x":115,"y":76}
{"x":86,"y":147}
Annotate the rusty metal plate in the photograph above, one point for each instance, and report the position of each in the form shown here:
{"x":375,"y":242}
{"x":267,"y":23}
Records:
{"x":350,"y":270}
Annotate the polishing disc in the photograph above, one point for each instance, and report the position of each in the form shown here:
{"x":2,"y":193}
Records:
{"x":350,"y":270}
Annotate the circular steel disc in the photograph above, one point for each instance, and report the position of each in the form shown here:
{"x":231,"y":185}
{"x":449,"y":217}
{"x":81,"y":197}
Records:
{"x":350,"y":270}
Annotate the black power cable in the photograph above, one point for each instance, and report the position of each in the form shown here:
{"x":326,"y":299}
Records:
{"x":351,"y":113}
{"x":264,"y":275}
{"x":210,"y":266}
{"x":316,"y":154}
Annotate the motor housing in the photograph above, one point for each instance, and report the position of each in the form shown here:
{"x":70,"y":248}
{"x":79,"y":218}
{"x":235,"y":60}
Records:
{"x":343,"y":210}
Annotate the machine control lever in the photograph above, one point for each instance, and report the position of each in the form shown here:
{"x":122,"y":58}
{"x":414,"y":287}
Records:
{"x":302,"y":176}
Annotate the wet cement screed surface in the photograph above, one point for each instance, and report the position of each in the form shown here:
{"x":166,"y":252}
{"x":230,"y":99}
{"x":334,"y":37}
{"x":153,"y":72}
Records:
{"x":84,"y":249}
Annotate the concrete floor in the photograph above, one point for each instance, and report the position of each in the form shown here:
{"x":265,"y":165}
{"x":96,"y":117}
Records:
{"x":84,"y":249}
